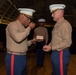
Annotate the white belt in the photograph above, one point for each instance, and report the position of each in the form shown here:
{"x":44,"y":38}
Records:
{"x":16,"y":53}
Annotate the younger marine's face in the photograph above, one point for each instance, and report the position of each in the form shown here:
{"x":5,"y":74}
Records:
{"x":26,"y":21}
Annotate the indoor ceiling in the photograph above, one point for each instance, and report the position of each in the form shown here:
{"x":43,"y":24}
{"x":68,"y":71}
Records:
{"x":8,"y":8}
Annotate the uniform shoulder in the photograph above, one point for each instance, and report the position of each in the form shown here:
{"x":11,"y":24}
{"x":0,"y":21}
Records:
{"x":12,"y":25}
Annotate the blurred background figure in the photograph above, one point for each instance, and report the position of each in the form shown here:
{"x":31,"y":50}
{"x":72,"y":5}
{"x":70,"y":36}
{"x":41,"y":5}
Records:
{"x":41,"y":35}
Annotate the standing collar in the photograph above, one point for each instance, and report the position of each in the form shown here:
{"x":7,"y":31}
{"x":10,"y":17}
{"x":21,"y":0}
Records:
{"x":58,"y":23}
{"x":61,"y":19}
{"x":19,"y":22}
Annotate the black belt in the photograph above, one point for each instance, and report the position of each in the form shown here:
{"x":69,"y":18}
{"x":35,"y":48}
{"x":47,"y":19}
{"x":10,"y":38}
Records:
{"x":16,"y":53}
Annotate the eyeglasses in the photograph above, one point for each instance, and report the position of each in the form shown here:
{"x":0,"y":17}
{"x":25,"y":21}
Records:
{"x":28,"y":17}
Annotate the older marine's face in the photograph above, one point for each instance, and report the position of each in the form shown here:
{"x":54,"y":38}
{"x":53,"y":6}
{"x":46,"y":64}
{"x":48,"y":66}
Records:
{"x":56,"y":15}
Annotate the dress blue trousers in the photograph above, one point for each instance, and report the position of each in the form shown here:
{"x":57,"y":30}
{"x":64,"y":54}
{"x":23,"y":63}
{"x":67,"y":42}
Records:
{"x":40,"y":52}
{"x":15,"y":64}
{"x":40,"y":57}
{"x":60,"y":61}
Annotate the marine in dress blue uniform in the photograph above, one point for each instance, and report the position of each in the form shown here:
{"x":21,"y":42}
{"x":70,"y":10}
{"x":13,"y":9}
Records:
{"x":17,"y":43}
{"x":61,"y":40}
